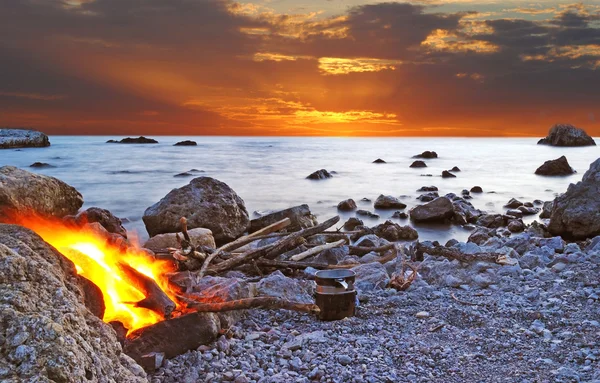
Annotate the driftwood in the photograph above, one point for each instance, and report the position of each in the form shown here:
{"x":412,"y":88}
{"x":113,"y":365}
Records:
{"x":362,"y":250}
{"x":399,"y":281}
{"x":269,"y":303}
{"x":156,"y":299}
{"x":317,"y":250}
{"x":241,"y":242}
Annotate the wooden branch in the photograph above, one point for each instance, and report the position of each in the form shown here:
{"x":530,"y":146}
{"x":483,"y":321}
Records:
{"x":241,"y":242}
{"x":362,"y":250}
{"x":269,"y":303}
{"x":156,"y":299}
{"x":317,"y":249}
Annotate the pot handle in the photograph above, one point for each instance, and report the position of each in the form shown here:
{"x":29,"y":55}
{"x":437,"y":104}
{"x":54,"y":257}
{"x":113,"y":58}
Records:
{"x":342,"y":282}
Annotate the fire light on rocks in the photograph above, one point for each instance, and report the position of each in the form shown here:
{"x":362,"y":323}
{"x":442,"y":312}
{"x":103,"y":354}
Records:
{"x":106,"y":264}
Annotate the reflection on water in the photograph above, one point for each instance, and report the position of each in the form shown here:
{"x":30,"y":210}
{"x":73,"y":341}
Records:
{"x":269,"y":173}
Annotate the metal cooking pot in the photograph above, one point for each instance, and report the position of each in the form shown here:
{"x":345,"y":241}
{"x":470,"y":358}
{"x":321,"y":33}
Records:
{"x":335,"y":294}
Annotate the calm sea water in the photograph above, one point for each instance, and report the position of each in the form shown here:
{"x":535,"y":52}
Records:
{"x":269,"y":173}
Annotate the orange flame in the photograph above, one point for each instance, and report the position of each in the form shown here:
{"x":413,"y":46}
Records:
{"x":97,"y":260}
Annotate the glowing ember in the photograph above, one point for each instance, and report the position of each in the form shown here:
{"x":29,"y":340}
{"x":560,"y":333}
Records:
{"x":97,"y":260}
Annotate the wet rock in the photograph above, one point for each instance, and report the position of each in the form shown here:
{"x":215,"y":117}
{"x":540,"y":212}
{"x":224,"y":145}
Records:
{"x":480,"y":236}
{"x":438,"y":210}
{"x":399,"y":215}
{"x":300,"y":217}
{"x":347,"y":205}
{"x":455,"y":169}
{"x":514,"y":213}
{"x":393,"y":232}
{"x":366,"y":213}
{"x":22,"y":191}
{"x":447,"y":174}
{"x":371,"y":276}
{"x":428,"y":196}
{"x":199,"y":236}
{"x":465,"y":192}
{"x":492,"y":221}
{"x":104,"y":217}
{"x":22,"y":138}
{"x":418,"y":164}
{"x":379,"y":161}
{"x":566,"y":135}
{"x":280,"y":286}
{"x":41,"y":165}
{"x":426,"y":154}
{"x":186,"y":143}
{"x":331,"y":256}
{"x":319,"y":175}
{"x":464,"y":211}
{"x":476,"y":189}
{"x":133,"y":140}
{"x":388,"y":202}
{"x":371,"y":240}
{"x":205,"y":202}
{"x":427,"y":189}
{"x":516,"y":226}
{"x":513,"y":203}
{"x":557,"y":167}
{"x":528,"y":210}
{"x":351,"y":223}
{"x":576,"y":213}
{"x":47,"y":332}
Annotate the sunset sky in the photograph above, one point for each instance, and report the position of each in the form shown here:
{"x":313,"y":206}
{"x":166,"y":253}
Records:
{"x":299,"y":67}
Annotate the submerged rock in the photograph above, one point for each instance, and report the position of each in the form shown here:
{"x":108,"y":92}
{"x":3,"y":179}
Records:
{"x":567,"y":135}
{"x":476,"y":189}
{"x":22,"y":138}
{"x":455,"y":169}
{"x":319,"y":175}
{"x":557,"y":167}
{"x":134,"y":140}
{"x":399,"y":215}
{"x":22,"y":192}
{"x":438,"y":210}
{"x":41,"y":165}
{"x":447,"y":174}
{"x":186,"y":143}
{"x":300,"y":217}
{"x":347,"y":205}
{"x":205,"y":202}
{"x":427,"y":189}
{"x":367,"y":213}
{"x":426,"y":154}
{"x":388,"y":202}
{"x":379,"y":161}
{"x":418,"y":164}
{"x":576,"y":213}
{"x":428,"y":196}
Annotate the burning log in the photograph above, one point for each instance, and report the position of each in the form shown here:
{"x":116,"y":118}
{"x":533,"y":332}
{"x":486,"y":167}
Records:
{"x":317,"y":249}
{"x":268,"y":303}
{"x":156,"y":299}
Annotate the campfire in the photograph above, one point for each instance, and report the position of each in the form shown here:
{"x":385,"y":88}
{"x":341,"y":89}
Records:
{"x":127,"y":276}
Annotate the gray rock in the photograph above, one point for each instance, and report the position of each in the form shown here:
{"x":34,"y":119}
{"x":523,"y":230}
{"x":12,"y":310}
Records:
{"x":394,"y":232}
{"x":388,"y":202}
{"x":371,"y":276}
{"x":513,"y":203}
{"x":22,"y":192}
{"x":547,"y":209}
{"x":576,"y":213}
{"x":428,"y":196}
{"x":280,"y":286}
{"x":205,"y":202}
{"x":557,"y":167}
{"x":347,"y":205}
{"x":22,"y":138}
{"x":438,"y":210}
{"x":566,"y":135}
{"x":352,"y":222}
{"x":300,"y":217}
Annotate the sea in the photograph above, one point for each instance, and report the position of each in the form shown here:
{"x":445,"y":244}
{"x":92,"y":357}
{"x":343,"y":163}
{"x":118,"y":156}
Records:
{"x":269,"y":173}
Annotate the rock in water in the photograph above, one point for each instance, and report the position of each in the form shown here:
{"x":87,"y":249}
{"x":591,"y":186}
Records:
{"x":48,"y":334}
{"x":557,"y":167}
{"x":426,"y":154}
{"x":438,"y":210}
{"x":22,"y":138}
{"x":394,"y":232}
{"x":388,"y":202}
{"x":319,"y":175}
{"x":41,"y":165}
{"x":447,"y":174}
{"x":418,"y":164}
{"x":300,"y":216}
{"x":22,"y":191}
{"x":347,"y":205}
{"x":567,"y":135}
{"x":379,"y":161}
{"x":205,"y":202}
{"x":476,"y":189}
{"x":186,"y":143}
{"x":576,"y":213}
{"x":131,"y":140}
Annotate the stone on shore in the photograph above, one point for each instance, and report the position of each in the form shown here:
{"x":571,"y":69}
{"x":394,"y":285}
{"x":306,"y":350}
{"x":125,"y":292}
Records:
{"x":371,"y":276}
{"x":418,"y":164}
{"x":557,"y":167}
{"x":513,"y":203}
{"x":205,"y":202}
{"x":48,"y":334}
{"x":547,"y":209}
{"x":426,"y":154}
{"x":352,"y":222}
{"x":439,"y":210}
{"x":104,"y":217}
{"x":134,"y":140}
{"x":319,"y":175}
{"x":186,"y":143}
{"x":280,"y":286}
{"x":388,"y":202}
{"x":567,"y":135}
{"x":22,"y":191}
{"x":576,"y":213}
{"x":199,"y":236}
{"x":394,"y":232}
{"x":22,"y":138}
{"x":300,"y":217}
{"x":347,"y":205}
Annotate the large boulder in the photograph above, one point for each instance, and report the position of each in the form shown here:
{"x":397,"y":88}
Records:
{"x":439,"y":210}
{"x":48,"y":334}
{"x":300,"y":217}
{"x":576,"y":213}
{"x":567,"y":135}
{"x":22,"y":192}
{"x":199,"y":236}
{"x":22,"y":138}
{"x":388,"y":202}
{"x":205,"y":202}
{"x":557,"y":167}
